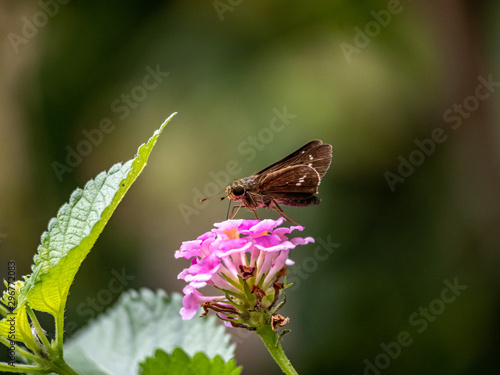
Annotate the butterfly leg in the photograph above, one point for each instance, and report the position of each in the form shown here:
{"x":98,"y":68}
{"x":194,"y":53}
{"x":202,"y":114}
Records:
{"x":278,"y":209}
{"x":233,"y":214}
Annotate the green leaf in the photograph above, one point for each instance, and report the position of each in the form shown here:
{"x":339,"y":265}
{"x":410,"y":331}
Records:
{"x":180,"y":363}
{"x":16,"y":327}
{"x":74,"y":231}
{"x":139,"y":324}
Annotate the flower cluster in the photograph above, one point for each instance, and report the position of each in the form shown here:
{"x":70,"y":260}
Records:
{"x":244,"y":260}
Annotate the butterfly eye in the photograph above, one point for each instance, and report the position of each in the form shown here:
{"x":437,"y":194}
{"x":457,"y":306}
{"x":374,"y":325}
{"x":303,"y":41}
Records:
{"x":238,"y":190}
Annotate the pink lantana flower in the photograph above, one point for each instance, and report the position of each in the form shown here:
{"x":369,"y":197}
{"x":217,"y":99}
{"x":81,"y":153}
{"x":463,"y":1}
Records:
{"x":244,"y":260}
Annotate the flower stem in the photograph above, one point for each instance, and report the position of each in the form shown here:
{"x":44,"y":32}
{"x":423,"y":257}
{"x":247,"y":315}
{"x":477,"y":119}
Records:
{"x":270,"y":339}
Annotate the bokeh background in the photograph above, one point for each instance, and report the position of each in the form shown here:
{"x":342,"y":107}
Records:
{"x":369,"y":77}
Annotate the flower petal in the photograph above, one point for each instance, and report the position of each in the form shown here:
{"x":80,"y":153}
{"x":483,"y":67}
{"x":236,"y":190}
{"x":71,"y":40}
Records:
{"x":232,"y":255}
{"x":261,"y":227}
{"x":188,"y":249}
{"x":192,"y":301}
{"x":199,"y":273}
{"x":302,"y":241}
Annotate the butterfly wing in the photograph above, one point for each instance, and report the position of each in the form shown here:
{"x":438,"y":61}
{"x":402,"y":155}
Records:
{"x":292,"y":179}
{"x":314,"y":155}
{"x":292,"y":186}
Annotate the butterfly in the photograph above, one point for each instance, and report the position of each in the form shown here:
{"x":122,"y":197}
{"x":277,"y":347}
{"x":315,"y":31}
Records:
{"x":291,"y":181}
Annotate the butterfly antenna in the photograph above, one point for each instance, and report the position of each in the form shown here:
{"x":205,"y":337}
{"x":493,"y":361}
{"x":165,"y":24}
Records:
{"x":211,"y":196}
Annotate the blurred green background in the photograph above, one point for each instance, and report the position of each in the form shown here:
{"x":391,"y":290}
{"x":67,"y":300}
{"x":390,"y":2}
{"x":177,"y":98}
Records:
{"x":373,"y":78}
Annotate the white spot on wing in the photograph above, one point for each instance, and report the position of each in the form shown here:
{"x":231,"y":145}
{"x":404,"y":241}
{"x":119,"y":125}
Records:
{"x":301,"y":180}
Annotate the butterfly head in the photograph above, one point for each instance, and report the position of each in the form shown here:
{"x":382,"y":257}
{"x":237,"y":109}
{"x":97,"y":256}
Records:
{"x":236,"y":191}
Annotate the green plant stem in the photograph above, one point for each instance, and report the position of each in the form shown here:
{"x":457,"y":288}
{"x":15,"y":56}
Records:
{"x":19,"y":350}
{"x":60,"y":331}
{"x":59,"y":366}
{"x":270,"y":339}
{"x":30,"y":369}
{"x":39,"y":329}
{"x":4,"y":311}
{"x":53,"y":363}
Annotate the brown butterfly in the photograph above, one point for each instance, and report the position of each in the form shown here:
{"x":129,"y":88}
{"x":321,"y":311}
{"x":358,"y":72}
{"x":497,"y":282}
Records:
{"x":292,"y":181}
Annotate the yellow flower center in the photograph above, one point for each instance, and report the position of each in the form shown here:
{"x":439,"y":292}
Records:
{"x":232,"y":234}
